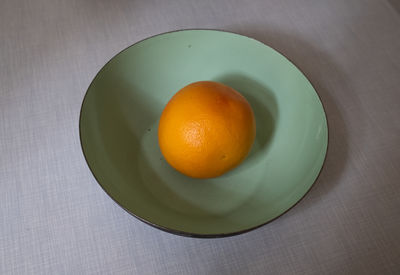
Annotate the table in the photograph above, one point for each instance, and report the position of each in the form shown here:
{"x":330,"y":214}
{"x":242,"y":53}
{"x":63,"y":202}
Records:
{"x":54,"y":217}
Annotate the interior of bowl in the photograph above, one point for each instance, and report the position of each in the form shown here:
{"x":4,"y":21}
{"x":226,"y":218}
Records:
{"x":119,"y":120}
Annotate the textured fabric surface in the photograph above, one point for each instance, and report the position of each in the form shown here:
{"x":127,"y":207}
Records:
{"x":54,"y":217}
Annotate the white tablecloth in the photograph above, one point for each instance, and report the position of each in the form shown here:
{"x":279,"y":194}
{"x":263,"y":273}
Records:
{"x":54,"y":217}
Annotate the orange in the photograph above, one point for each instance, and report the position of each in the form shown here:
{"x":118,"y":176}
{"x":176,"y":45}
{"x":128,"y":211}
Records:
{"x":206,"y":129}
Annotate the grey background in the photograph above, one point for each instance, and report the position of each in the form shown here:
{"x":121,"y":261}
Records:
{"x":55,"y":219}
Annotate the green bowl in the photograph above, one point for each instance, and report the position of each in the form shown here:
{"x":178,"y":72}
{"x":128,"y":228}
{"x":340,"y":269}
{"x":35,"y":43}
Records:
{"x":119,"y":121}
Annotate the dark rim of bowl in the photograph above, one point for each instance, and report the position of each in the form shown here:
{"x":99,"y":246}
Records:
{"x":191,"y":234}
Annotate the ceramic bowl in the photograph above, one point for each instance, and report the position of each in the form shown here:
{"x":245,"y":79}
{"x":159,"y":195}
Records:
{"x":119,"y":120}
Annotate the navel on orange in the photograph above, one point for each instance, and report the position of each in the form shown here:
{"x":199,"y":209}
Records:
{"x":206,"y":129}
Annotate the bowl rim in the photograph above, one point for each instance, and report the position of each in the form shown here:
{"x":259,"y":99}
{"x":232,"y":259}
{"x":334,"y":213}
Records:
{"x":186,"y":233}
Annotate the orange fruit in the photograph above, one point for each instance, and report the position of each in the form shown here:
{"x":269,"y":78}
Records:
{"x":206,"y":129}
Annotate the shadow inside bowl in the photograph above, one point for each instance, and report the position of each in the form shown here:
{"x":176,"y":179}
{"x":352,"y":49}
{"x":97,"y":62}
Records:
{"x":264,"y":106}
